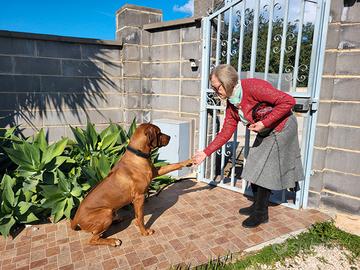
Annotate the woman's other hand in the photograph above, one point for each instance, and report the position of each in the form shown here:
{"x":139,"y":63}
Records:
{"x":257,"y":127}
{"x":198,"y":157}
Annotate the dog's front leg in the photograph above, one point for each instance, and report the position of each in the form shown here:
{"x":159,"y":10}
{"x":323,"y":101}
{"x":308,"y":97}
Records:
{"x":173,"y":167}
{"x":139,"y":214}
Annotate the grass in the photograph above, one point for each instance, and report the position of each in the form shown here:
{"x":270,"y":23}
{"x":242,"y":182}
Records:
{"x":320,"y":233}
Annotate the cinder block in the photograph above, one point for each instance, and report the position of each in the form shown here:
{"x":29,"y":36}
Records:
{"x":133,"y":102}
{"x":7,"y":118}
{"x":132,"y":17}
{"x":347,"y":63}
{"x":63,"y":84}
{"x":58,"y":49}
{"x":333,"y":36}
{"x":342,"y":183}
{"x":190,"y":105}
{"x":82,"y":68}
{"x":191,"y":88}
{"x":330,"y":63}
{"x":347,"y":89}
{"x":145,"y":37}
{"x":113,"y":69}
{"x":9,"y":101}
{"x":327,"y":88}
{"x":164,"y":87}
{"x":344,"y":137}
{"x":16,"y":46}
{"x":343,"y":161}
{"x":57,"y":118}
{"x":319,"y":158}
{"x":19,"y":83}
{"x":111,"y":101}
{"x":145,"y":53}
{"x":131,"y":52}
{"x":31,"y":101}
{"x":155,"y":102}
{"x":336,"y":10}
{"x":161,"y":70}
{"x":132,"y":69}
{"x":130,"y":115}
{"x":351,"y":14}
{"x":5,"y":64}
{"x":192,"y":33}
{"x":56,"y":133}
{"x":324,"y":113}
{"x":188,"y":72}
{"x":100,"y":52}
{"x":165,"y":37}
{"x":129,"y":35}
{"x":98,"y":86}
{"x":160,"y":115}
{"x":340,"y":203}
{"x":29,"y":118}
{"x":314,"y":200}
{"x":349,"y":37}
{"x":316,"y":182}
{"x":133,"y":85}
{"x":321,"y":136}
{"x":345,"y":113}
{"x":191,"y":51}
{"x":105,"y":116}
{"x":165,"y":53}
{"x":36,"y":66}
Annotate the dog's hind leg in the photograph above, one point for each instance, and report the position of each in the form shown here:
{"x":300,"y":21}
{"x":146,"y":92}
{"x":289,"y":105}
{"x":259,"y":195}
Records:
{"x":104,"y":219}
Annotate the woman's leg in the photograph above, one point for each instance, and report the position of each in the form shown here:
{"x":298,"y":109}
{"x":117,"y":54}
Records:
{"x":248,"y":210}
{"x":260,"y":213}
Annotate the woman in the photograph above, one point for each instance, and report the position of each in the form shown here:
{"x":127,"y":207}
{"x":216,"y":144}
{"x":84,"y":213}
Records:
{"x":274,"y":161}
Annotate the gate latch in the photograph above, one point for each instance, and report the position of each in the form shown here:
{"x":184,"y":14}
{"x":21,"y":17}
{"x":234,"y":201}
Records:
{"x":303,"y":104}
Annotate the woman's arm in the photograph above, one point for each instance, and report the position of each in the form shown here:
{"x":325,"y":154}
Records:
{"x":230,"y":124}
{"x":282,"y":102}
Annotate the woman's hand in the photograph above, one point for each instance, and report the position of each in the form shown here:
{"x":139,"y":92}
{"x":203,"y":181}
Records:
{"x":257,"y":127}
{"x":198,"y":157}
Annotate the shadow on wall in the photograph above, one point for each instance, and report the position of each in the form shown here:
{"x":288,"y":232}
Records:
{"x":52,"y":83}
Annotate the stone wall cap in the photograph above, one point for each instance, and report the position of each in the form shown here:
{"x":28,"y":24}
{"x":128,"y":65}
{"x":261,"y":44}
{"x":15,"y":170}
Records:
{"x":139,"y":8}
{"x":46,"y":37}
{"x":173,"y":23}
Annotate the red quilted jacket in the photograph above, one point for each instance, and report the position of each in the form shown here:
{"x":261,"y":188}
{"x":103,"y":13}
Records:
{"x":254,"y":91}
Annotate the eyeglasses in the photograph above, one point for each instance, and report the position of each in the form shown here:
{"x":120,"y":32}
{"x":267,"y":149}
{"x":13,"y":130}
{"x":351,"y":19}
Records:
{"x":216,"y":88}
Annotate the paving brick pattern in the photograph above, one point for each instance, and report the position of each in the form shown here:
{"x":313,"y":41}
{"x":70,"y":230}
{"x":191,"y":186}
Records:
{"x":193,"y":222}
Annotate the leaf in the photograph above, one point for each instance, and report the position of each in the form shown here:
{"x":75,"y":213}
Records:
{"x":30,"y":217}
{"x":6,"y":227}
{"x":69,"y":206}
{"x":49,"y":190}
{"x":132,"y":128}
{"x":34,"y":154}
{"x":54,"y":150}
{"x":104,"y":166}
{"x":23,"y":207}
{"x":58,"y":211}
{"x":79,"y":136}
{"x":40,"y":140}
{"x":91,"y":135}
{"x":109,"y":140}
{"x":8,"y":194}
{"x":53,"y":200}
{"x":76,"y":191}
{"x":18,"y":157}
{"x":64,"y":184}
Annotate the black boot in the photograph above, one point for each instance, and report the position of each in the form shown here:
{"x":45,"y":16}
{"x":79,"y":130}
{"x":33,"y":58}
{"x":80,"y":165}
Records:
{"x":260,"y":214}
{"x":248,"y":210}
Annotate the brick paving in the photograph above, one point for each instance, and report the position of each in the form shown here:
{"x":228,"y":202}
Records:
{"x":192,"y":221}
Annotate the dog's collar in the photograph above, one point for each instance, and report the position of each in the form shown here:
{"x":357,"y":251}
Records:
{"x":138,"y":152}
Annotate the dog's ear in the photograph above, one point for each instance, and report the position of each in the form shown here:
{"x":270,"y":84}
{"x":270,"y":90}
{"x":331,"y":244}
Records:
{"x":151,"y":134}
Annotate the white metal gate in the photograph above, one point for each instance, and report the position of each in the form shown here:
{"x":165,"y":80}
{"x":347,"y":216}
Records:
{"x":281,"y":41}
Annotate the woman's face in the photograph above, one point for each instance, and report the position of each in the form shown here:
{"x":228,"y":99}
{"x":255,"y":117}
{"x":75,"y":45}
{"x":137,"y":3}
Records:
{"x":217,"y":86}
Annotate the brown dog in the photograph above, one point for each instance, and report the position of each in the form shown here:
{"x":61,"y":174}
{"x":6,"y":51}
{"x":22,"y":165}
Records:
{"x":126,"y":183}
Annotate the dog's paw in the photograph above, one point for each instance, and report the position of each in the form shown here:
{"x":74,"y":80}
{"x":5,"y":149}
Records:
{"x":114,"y":242}
{"x":148,"y":232}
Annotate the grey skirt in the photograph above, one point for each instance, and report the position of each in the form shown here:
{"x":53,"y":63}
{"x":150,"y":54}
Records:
{"x":274,"y":162}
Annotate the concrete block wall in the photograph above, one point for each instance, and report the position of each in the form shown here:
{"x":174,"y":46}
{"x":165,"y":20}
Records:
{"x":51,"y":81}
{"x":157,"y":73}
{"x":336,"y":180}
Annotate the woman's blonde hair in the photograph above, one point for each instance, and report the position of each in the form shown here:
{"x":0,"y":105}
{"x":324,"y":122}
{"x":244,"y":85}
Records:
{"x":228,"y":77}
